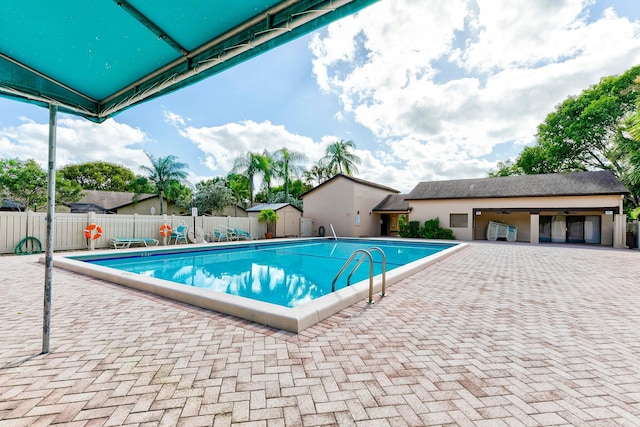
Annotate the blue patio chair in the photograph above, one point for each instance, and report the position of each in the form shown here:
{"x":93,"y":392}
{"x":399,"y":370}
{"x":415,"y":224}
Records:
{"x":219,"y":235}
{"x":179,"y":234}
{"x":243,"y":234}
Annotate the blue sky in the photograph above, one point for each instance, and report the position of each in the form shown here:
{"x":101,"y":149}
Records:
{"x":426,"y":93}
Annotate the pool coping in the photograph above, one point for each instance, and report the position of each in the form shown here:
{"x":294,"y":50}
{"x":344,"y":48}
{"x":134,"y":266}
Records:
{"x":294,"y":319}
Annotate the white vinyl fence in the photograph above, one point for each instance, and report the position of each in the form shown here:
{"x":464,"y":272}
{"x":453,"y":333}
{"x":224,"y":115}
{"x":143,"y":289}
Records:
{"x":69,"y":228}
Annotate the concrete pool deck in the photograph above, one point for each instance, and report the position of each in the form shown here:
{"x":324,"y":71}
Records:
{"x":499,"y":334}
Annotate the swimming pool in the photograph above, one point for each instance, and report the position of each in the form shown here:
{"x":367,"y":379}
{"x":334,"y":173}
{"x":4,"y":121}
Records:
{"x":285,"y":284}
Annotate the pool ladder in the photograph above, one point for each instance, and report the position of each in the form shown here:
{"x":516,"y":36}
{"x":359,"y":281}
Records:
{"x":365,"y":253}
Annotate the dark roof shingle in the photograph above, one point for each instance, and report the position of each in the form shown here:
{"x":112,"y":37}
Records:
{"x":557,"y":184}
{"x":393,"y":203}
{"x":110,"y":199}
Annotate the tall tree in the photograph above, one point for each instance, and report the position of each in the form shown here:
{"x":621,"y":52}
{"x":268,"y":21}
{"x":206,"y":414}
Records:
{"x":103,"y":176}
{"x":288,"y":164}
{"x":340,"y":159}
{"x":239,"y":185}
{"x":213,"y":195}
{"x":251,"y":165}
{"x":317,"y":174}
{"x":268,"y":173}
{"x":587,"y":132}
{"x":164,"y":173}
{"x":26,"y":182}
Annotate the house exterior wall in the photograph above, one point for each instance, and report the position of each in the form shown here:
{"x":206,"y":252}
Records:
{"x":347,"y":205}
{"x":143,"y":207}
{"x":612,"y":229}
{"x":231,"y":211}
{"x":333,"y":203}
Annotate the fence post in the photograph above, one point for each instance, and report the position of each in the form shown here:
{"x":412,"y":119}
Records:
{"x":29,"y":222}
{"x":135,"y":219}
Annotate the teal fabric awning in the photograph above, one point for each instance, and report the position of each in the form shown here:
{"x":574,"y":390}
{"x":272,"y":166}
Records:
{"x":97,"y":58}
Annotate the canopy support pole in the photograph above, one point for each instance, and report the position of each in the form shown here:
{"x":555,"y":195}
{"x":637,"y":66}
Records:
{"x":51,"y":204}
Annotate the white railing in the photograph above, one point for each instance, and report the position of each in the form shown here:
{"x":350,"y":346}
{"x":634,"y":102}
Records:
{"x":69,"y":228}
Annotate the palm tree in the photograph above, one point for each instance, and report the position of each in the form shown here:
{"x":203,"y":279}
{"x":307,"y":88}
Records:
{"x":251,"y":164}
{"x":268,"y":171}
{"x":318,"y":174}
{"x":164,"y":173}
{"x":339,"y":159}
{"x":239,"y":185}
{"x":286,"y":166}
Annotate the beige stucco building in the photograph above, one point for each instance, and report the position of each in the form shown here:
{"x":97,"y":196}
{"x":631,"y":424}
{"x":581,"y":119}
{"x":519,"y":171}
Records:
{"x":582,"y":207}
{"x":349,"y":205}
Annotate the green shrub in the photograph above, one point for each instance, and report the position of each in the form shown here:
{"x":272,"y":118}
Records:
{"x":431,"y":230}
{"x":411,"y":229}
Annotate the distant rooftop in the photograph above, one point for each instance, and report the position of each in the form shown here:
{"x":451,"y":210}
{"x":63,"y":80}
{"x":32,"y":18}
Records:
{"x":274,"y":206}
{"x":557,"y":184}
{"x":110,"y":200}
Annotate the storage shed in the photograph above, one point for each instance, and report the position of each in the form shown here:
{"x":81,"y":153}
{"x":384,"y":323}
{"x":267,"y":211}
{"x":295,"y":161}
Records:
{"x":289,"y":223}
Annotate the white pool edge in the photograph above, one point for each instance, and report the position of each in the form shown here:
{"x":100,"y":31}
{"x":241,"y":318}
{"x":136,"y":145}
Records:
{"x":290,"y":319}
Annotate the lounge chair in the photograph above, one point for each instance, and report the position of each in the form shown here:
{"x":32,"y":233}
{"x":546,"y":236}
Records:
{"x":123,"y":243}
{"x":219,"y":235}
{"x":179,"y":234}
{"x":231,"y":232}
{"x":243,"y":234}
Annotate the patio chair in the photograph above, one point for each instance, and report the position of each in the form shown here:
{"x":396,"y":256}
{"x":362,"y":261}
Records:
{"x":179,"y":234}
{"x":123,"y":243}
{"x":242,"y":234}
{"x":231,"y":232}
{"x":219,"y":235}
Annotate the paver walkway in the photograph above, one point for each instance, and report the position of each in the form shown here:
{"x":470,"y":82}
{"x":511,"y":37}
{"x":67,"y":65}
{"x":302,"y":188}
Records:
{"x":496,"y":335}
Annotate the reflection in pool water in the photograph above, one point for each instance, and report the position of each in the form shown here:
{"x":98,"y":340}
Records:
{"x":283,"y":274}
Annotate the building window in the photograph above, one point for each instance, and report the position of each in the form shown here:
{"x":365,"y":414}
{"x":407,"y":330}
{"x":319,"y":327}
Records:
{"x":459,"y":220}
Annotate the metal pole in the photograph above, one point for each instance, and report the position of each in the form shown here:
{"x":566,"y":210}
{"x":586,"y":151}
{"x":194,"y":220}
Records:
{"x":51,"y":203}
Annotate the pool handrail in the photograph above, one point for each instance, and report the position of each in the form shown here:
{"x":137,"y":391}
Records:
{"x":334,"y":232}
{"x":384,"y":269}
{"x":366,"y":253}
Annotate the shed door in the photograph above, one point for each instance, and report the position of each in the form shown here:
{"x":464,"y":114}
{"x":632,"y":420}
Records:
{"x":291,"y":224}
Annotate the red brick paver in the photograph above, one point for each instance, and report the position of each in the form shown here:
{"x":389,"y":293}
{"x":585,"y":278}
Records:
{"x":496,"y":335}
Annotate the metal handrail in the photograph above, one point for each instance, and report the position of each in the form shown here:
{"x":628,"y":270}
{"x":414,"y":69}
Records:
{"x":346,"y":264}
{"x":384,"y":269}
{"x":334,"y":232}
{"x":366,"y":253}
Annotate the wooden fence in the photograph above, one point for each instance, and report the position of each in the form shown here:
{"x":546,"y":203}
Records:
{"x":69,"y":228}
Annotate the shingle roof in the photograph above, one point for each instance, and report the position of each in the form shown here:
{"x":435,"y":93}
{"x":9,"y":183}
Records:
{"x":110,"y":199}
{"x":357,"y":180}
{"x":274,"y":206}
{"x":560,"y":184}
{"x":393,"y":203}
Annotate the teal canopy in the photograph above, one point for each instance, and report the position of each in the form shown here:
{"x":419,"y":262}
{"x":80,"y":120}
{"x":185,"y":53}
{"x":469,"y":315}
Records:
{"x":95,"y":58}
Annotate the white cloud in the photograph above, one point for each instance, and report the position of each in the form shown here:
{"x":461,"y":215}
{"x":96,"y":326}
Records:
{"x":77,"y":141}
{"x":221,"y":145}
{"x":444,"y":85}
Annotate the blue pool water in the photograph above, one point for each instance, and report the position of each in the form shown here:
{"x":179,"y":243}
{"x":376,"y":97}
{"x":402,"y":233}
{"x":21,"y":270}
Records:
{"x":287,"y":274}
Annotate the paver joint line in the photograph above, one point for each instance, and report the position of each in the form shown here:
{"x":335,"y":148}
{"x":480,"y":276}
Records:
{"x":502,"y":334}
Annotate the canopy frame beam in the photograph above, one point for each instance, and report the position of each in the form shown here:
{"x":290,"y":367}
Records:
{"x":51,"y":205}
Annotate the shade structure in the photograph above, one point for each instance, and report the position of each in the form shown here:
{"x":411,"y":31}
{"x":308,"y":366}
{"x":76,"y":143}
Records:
{"x":97,"y":58}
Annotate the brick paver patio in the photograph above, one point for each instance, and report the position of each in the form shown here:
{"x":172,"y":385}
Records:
{"x":496,"y":335}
